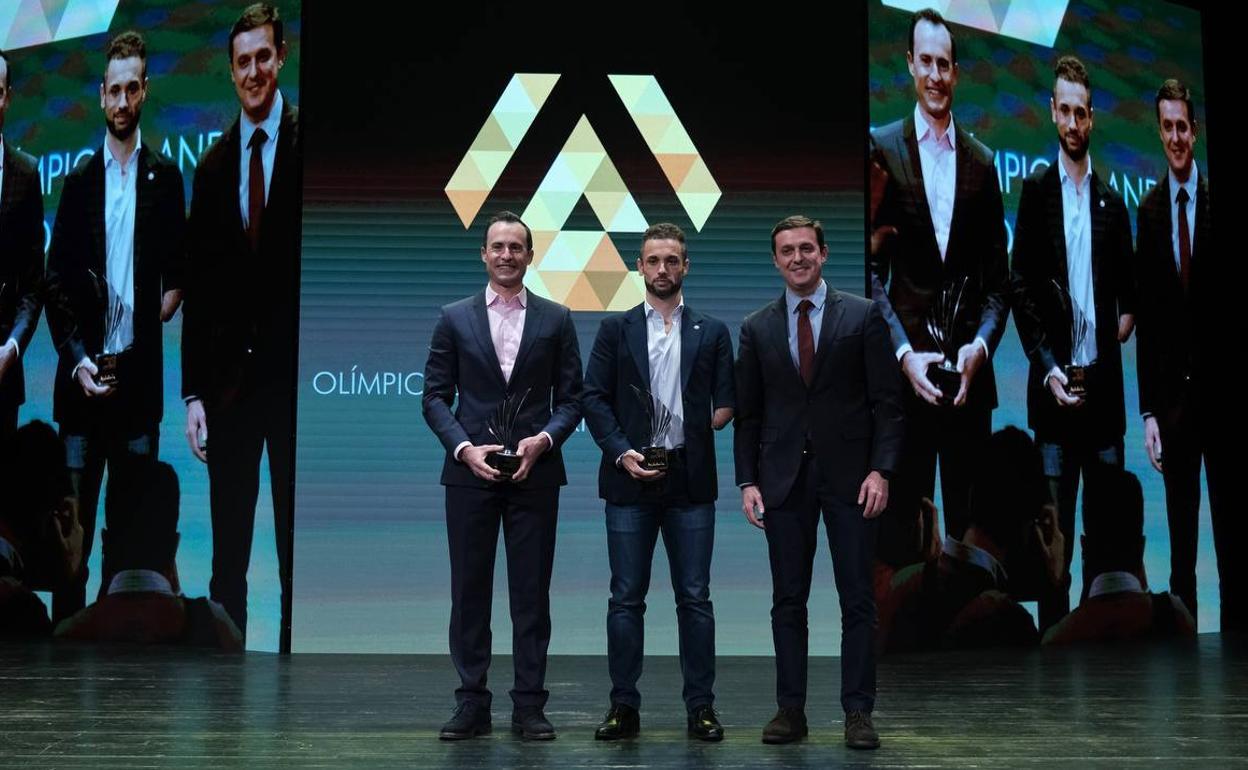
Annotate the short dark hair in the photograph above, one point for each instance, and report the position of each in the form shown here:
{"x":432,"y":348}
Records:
{"x":8,"y":68}
{"x":511,"y":218}
{"x":126,"y":45}
{"x":143,"y":497}
{"x":665,"y":231}
{"x":1174,"y":90}
{"x":255,"y":16}
{"x":795,"y":222}
{"x":933,"y":16}
{"x":1070,"y":69}
{"x":35,"y":478}
{"x":1113,"y":521}
{"x":1009,"y":489}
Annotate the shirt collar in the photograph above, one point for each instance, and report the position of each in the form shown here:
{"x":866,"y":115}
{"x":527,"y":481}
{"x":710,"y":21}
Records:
{"x":677,"y":312}
{"x":130,"y":581}
{"x":1065,"y":177}
{"x":817,"y":297}
{"x":923,"y":128}
{"x":1190,"y":185}
{"x":1114,"y":583}
{"x":976,"y":556}
{"x":492,"y":296}
{"x":270,"y":124}
{"x":110,"y":161}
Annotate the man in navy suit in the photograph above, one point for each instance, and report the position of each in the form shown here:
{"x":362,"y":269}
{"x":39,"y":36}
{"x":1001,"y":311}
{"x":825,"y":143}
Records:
{"x":667,"y":354}
{"x":499,"y":344}
{"x":819,"y":430}
{"x":115,"y":274}
{"x":21,"y":261}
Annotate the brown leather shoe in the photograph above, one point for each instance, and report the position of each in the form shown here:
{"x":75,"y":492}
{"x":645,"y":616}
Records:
{"x":859,"y":732}
{"x":788,"y":725}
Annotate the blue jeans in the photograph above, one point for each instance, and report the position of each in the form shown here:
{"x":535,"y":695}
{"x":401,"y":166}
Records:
{"x":689,"y":537}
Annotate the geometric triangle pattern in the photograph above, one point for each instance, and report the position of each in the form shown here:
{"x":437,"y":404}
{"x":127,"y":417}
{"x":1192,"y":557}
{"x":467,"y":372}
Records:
{"x":667,"y":138}
{"x":496,"y":142}
{"x":25,"y":23}
{"x":583,"y":270}
{"x":1034,"y":21}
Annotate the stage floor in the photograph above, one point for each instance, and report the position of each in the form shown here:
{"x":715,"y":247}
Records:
{"x":68,"y":706}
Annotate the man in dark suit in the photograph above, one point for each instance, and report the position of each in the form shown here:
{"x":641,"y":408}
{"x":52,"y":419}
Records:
{"x":1184,"y":385}
{"x":21,"y":261}
{"x":502,"y":349}
{"x":115,"y":271}
{"x":942,"y":206}
{"x":1074,"y":299}
{"x":660,"y":353}
{"x":239,"y":329}
{"x":819,"y":428}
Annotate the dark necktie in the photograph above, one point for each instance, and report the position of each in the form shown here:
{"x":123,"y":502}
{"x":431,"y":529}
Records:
{"x":805,"y":342}
{"x":255,"y":188}
{"x":1185,"y":242}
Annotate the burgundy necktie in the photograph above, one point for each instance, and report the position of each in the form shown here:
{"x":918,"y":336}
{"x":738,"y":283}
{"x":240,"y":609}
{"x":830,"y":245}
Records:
{"x":805,"y":342}
{"x":255,"y":188}
{"x":1185,"y":242}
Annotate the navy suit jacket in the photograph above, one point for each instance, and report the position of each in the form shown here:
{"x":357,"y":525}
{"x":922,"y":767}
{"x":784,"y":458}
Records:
{"x":462,"y":363}
{"x":851,"y":413}
{"x":1043,"y":316}
{"x":21,"y":263}
{"x":907,"y":274}
{"x":621,"y":360}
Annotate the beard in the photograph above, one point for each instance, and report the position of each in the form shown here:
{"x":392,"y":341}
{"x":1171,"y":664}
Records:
{"x":671,"y":290}
{"x":1077,"y":152}
{"x":125,"y":132}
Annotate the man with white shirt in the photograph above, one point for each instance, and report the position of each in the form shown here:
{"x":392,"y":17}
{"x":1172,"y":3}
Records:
{"x":1074,"y":303}
{"x":942,"y":207}
{"x":239,"y":328}
{"x":21,"y":261}
{"x":660,"y":358}
{"x":1185,"y":382}
{"x":510,"y":364}
{"x":115,"y":272}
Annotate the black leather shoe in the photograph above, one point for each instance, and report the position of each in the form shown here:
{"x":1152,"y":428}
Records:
{"x":788,"y":725}
{"x":620,"y":722}
{"x":704,"y":724}
{"x":532,"y":725}
{"x":859,"y":732}
{"x":469,"y":720}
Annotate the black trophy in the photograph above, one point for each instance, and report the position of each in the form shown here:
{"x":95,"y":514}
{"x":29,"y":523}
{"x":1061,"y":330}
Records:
{"x":655,"y":453}
{"x":1076,"y":374}
{"x":115,"y":320}
{"x":941,"y":325}
{"x":502,"y":426}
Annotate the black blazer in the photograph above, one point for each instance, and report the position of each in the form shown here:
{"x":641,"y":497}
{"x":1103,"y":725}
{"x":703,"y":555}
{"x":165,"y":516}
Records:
{"x":851,"y":414}
{"x":1178,"y":336}
{"x":21,"y":263}
{"x":911,"y":258}
{"x":462,"y":363}
{"x":75,"y":312}
{"x":239,"y":315}
{"x":621,"y":360}
{"x":1042,"y":314}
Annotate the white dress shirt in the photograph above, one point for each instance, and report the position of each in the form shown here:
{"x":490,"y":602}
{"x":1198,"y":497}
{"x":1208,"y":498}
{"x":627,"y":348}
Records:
{"x":665,"y":385}
{"x":120,"y":201}
{"x":1077,"y":225}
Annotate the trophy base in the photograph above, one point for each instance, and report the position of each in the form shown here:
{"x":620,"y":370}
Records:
{"x":946,"y":377}
{"x":106,"y":369}
{"x":655,"y":458}
{"x":505,"y":462}
{"x":1076,"y":380}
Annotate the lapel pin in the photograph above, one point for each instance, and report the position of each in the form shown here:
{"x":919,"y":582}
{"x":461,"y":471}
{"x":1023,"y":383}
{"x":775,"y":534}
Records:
{"x":151,"y":175}
{"x":696,"y":327}
{"x":1102,"y":203}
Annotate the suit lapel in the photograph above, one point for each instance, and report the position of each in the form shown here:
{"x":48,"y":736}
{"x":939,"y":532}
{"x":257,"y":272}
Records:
{"x":9,"y":189}
{"x":638,"y":345}
{"x":1057,"y":224}
{"x":690,"y":339}
{"x":143,"y":205}
{"x":1099,"y":232}
{"x":95,"y":213}
{"x":481,"y":330}
{"x":1165,"y":235}
{"x":234,"y":215}
{"x":913,"y":170}
{"x":778,"y":332}
{"x":532,"y":324}
{"x":833,"y":309}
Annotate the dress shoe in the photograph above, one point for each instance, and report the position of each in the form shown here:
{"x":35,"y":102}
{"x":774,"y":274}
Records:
{"x":532,"y":725}
{"x":620,"y":722}
{"x":469,"y":720}
{"x":788,"y":725}
{"x":704,"y":724}
{"x":859,"y":732}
